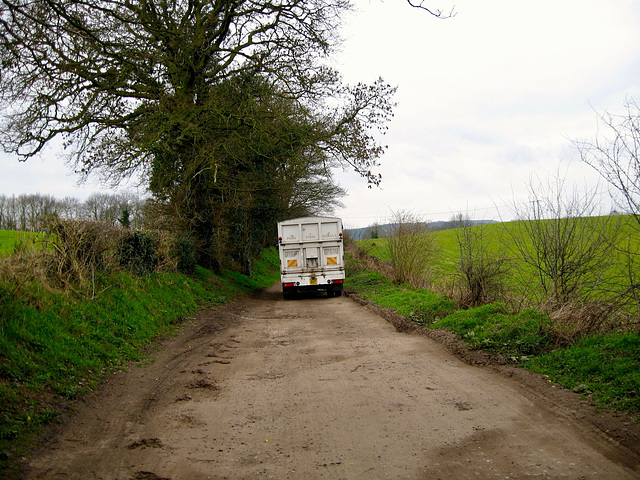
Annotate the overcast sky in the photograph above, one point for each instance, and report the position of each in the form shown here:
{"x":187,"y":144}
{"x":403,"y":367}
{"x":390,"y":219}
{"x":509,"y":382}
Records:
{"x":485,"y":100}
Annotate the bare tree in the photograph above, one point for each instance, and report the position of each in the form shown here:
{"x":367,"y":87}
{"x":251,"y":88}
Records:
{"x":108,"y":207}
{"x":3,"y":211}
{"x":9,"y":216}
{"x":34,"y":207}
{"x":436,"y":12}
{"x":25,"y":212}
{"x":615,"y":155}
{"x":482,"y":265}
{"x":70,"y":208}
{"x":410,"y":248}
{"x":568,"y":253}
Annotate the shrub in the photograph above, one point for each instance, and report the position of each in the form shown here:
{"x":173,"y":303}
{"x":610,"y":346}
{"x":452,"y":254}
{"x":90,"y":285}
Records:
{"x":563,"y":244}
{"x":185,"y":253}
{"x":480,"y":268}
{"x":137,"y":253}
{"x":410,"y":248}
{"x":80,"y":249}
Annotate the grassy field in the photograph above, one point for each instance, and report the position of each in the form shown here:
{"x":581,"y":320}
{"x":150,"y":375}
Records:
{"x":56,"y":346}
{"x":499,"y":237}
{"x":10,"y":240}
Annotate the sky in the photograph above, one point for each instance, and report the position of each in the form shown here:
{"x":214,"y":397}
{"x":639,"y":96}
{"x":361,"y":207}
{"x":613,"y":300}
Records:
{"x":486,"y":100}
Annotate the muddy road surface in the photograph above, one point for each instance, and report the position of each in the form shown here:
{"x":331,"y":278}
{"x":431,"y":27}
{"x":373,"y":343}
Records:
{"x":319,"y":388}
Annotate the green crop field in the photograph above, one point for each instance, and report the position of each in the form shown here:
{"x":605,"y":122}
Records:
{"x":499,"y":238}
{"x":10,"y":240}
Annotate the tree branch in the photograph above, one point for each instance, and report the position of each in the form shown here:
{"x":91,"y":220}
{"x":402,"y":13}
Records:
{"x":438,"y":13}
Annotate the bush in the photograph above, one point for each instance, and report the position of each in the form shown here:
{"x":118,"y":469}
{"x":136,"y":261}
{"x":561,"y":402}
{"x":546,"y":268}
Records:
{"x":185,"y":253}
{"x":80,"y":249}
{"x":137,"y":253}
{"x":481,"y":269}
{"x":410,"y":248}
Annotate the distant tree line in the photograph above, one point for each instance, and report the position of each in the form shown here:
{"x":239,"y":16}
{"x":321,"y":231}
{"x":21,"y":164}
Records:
{"x":25,"y":212}
{"x":378,"y":230}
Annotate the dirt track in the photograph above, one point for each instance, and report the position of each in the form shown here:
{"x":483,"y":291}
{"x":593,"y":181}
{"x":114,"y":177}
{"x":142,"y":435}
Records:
{"x":320,"y":388}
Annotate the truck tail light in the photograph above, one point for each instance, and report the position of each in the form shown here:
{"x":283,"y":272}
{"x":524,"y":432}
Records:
{"x":289,"y":284}
{"x":338,"y":281}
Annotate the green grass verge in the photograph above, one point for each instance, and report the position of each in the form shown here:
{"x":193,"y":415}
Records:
{"x":606,"y":367}
{"x":490,"y":327}
{"x":419,"y":304}
{"x":55,"y":347}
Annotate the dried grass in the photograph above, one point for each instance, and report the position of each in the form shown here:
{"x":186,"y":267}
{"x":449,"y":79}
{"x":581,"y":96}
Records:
{"x":70,"y":255}
{"x":572,"y":321}
{"x":80,"y":249}
{"x":165,"y":251}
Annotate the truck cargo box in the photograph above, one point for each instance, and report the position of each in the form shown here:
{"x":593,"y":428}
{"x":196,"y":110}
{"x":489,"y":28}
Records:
{"x":311,"y":255}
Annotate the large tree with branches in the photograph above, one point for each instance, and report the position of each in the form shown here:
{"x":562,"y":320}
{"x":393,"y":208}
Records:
{"x":97,"y":73}
{"x":139,"y":86}
{"x":262,"y":158}
{"x":215,"y":102}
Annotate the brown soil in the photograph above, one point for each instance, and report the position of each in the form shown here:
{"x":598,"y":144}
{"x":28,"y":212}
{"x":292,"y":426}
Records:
{"x":326,"y":388}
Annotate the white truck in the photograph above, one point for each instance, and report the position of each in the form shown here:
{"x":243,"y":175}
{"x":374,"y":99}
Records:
{"x":311,"y":256}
